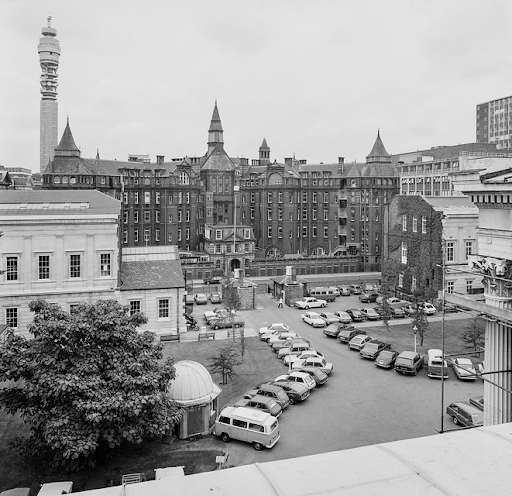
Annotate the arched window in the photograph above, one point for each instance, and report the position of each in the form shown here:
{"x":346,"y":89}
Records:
{"x":184,"y":178}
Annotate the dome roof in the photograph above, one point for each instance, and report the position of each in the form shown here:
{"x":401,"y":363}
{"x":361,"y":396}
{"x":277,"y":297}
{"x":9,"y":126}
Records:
{"x":193,"y":384}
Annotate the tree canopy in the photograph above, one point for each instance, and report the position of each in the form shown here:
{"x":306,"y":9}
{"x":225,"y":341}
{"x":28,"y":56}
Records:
{"x":86,"y":382}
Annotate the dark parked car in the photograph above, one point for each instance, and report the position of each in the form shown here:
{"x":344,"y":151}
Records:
{"x":296,"y":392}
{"x":396,"y":312}
{"x":465,"y":414}
{"x":369,"y":297}
{"x":372,"y":348}
{"x":333,"y":330}
{"x":318,"y":375}
{"x":370,"y":313}
{"x":224,"y":323}
{"x":408,"y":363}
{"x":355,"y":314}
{"x":347,"y":334}
{"x":386,"y":359}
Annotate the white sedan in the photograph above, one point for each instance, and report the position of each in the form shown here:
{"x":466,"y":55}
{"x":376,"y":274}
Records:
{"x":313,"y":319}
{"x":464,"y":369}
{"x":273,"y":328}
{"x":310,"y":302}
{"x":313,"y":363}
{"x":305,"y":354}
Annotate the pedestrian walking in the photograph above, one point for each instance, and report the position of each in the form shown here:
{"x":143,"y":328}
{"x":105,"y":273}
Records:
{"x":280,"y":303}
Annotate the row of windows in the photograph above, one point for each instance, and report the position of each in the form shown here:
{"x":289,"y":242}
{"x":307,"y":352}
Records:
{"x":450,"y":285}
{"x":449,"y":252}
{"x":44,"y":268}
{"x":180,"y":197}
{"x":182,"y":216}
{"x":147,"y":235}
{"x":414,"y":223}
{"x":304,"y":230}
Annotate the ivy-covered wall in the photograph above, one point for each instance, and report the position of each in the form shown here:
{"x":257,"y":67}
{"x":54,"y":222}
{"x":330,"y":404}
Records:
{"x":424,"y":249}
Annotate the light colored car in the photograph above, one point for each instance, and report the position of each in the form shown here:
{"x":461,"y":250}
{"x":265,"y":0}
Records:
{"x":54,"y":488}
{"x":300,"y":377}
{"x":344,"y":290}
{"x":343,"y":317}
{"x":215,"y":298}
{"x":293,"y":350}
{"x":288,"y":357}
{"x":310,"y":302}
{"x":358,"y":341}
{"x":313,"y":362}
{"x":277,"y":345}
{"x":273,"y":328}
{"x":313,"y":319}
{"x":329,"y":317}
{"x":429,"y":309}
{"x":370,"y":313}
{"x":279,"y":336}
{"x":335,"y":290}
{"x":201,"y":299}
{"x":464,"y":369}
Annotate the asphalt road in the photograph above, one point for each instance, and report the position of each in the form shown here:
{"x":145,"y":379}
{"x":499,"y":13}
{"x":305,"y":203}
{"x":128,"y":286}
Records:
{"x":361,"y":404}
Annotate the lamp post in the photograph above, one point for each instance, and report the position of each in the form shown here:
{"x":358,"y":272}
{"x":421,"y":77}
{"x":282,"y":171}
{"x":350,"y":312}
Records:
{"x":415,"y":330}
{"x":235,"y":190}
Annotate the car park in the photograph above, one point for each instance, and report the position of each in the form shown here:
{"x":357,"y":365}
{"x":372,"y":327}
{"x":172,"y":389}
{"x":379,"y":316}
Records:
{"x":355,"y":314}
{"x":465,"y":414}
{"x":319,"y":376}
{"x":313,"y":362}
{"x":301,"y":377}
{"x":386,"y":359}
{"x":329,"y":317}
{"x":225,"y":323}
{"x":408,"y":363}
{"x":358,"y":341}
{"x":264,"y":403}
{"x":333,"y":330}
{"x":215,"y":298}
{"x":372,"y":348}
{"x":343,"y":317}
{"x":201,"y":299}
{"x":477,"y":401}
{"x":313,"y":319}
{"x":355,"y":289}
{"x":290,"y":358}
{"x":293,"y":350}
{"x":296,"y":392}
{"x":370,"y":313}
{"x":310,"y":302}
{"x":271,"y":391}
{"x":464,"y":369}
{"x":273,"y":328}
{"x":344,"y":290}
{"x":345,"y":335}
{"x":368,"y":297}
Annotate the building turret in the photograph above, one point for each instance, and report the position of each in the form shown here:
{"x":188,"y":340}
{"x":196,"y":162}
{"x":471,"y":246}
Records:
{"x":378,"y":155}
{"x":49,"y":53}
{"x":264,"y":153}
{"x":67,"y":146}
{"x":215,"y":133}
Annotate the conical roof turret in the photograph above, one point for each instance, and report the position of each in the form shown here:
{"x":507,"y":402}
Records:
{"x":215,"y":133}
{"x":67,"y":144}
{"x":378,"y":153}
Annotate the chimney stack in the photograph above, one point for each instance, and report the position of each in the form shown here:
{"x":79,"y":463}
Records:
{"x":160,"y":159}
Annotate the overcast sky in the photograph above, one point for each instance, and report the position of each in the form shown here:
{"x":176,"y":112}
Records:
{"x":315,"y":78}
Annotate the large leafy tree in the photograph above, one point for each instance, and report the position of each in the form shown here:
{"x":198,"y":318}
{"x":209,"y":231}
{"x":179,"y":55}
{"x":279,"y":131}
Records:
{"x":86,"y":382}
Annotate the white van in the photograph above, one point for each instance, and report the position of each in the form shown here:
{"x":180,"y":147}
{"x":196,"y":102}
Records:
{"x":436,"y":365}
{"x":247,"y":424}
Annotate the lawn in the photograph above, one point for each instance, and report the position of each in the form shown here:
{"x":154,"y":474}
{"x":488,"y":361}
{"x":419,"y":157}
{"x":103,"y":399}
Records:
{"x":199,"y":455}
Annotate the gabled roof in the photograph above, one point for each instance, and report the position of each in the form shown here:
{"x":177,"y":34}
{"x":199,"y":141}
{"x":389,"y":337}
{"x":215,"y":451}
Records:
{"x":218,"y":160}
{"x":153,"y":274}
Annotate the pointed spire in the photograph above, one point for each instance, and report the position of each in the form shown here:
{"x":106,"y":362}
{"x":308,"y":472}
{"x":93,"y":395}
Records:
{"x":264,"y":153}
{"x":97,"y":153}
{"x":378,"y":153}
{"x":215,"y":133}
{"x":67,"y":144}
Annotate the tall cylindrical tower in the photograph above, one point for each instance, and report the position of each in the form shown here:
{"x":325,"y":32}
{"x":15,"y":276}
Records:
{"x":49,"y":53}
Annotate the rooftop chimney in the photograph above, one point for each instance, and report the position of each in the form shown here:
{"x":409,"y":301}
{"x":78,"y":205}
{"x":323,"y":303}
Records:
{"x":160,"y":159}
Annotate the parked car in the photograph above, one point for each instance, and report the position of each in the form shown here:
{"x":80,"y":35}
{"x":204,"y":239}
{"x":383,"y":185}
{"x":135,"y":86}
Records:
{"x":429,"y":309}
{"x":268,"y":405}
{"x":313,"y":362}
{"x":273,"y":328}
{"x":271,"y":391}
{"x":218,"y":314}
{"x":356,"y":315}
{"x":293,"y":350}
{"x":300,"y":377}
{"x":313,"y":319}
{"x":277,"y":345}
{"x":358,"y":341}
{"x":209,"y":314}
{"x":343,"y":317}
{"x":355,"y":289}
{"x":448,"y":307}
{"x":189,"y":299}
{"x":310,"y":302}
{"x":426,"y":308}
{"x":344,"y":290}
{"x":477,"y":401}
{"x":201,"y":299}
{"x":215,"y":298}
{"x":54,"y":488}
{"x":386,"y":359}
{"x":464,"y":369}
{"x":293,"y":357}
{"x":335,"y":290}
{"x":370,"y":313}
{"x":278,"y":336}
{"x":408,"y":363}
{"x":372,"y":348}
{"x":410,"y":309}
{"x":296,"y":392}
{"x":396,"y":312}
{"x":333,"y":330}
{"x":465,"y":414}
{"x":236,"y":322}
{"x":345,"y":335}
{"x":368,"y":297}
{"x":329,"y":317}
{"x":318,"y":376}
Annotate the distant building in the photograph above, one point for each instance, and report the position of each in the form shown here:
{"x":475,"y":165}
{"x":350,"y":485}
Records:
{"x":494,"y":122}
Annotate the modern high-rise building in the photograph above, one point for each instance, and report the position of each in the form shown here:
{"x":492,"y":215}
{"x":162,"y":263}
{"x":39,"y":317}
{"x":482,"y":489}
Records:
{"x":49,"y":53}
{"x":494,"y":122}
